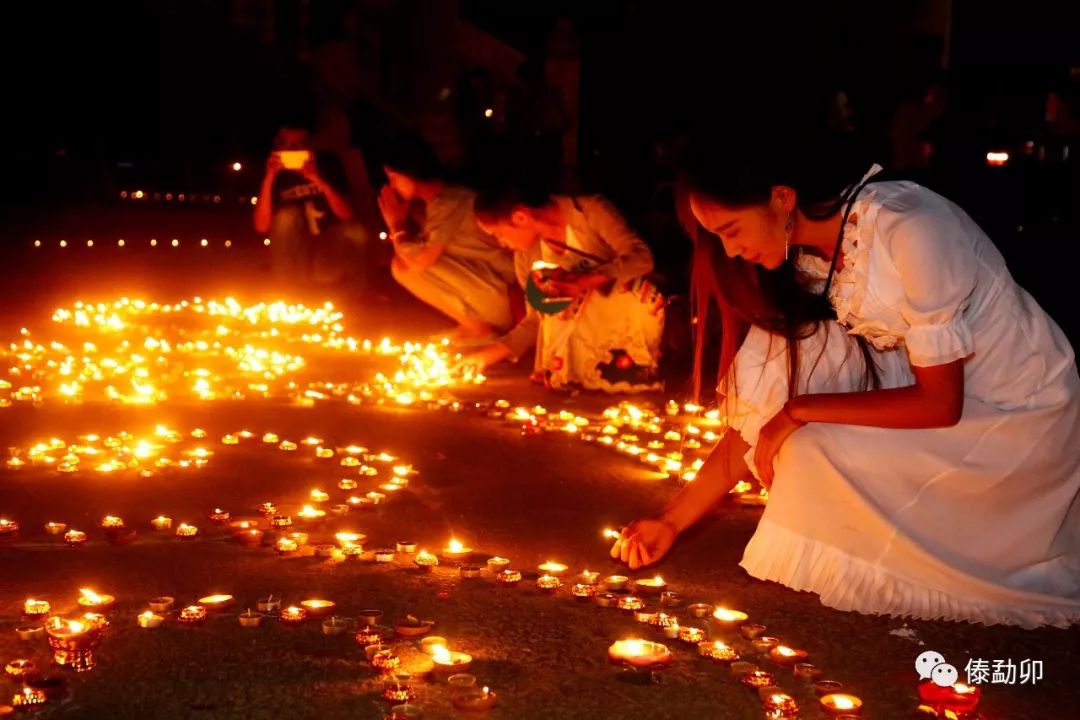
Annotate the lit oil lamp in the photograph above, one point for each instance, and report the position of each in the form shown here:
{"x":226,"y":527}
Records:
{"x":192,"y":615}
{"x":347,"y":484}
{"x":764,"y":643}
{"x":616,"y":583}
{"x":758,"y":679}
{"x":36,"y":608}
{"x":631,"y":603}
{"x":287,"y":446}
{"x":639,"y":654}
{"x":368,"y":635}
{"x":398,"y":692}
{"x":959,"y":698}
{"x":216,"y":602}
{"x":692,"y":635}
{"x":548,"y":583}
{"x":111,"y":522}
{"x":785,"y":656}
{"x":669,"y":625}
{"x":384,"y":555}
{"x":90,"y":599}
{"x":19,"y":668}
{"x":318,"y":496}
{"x":649,"y":586}
{"x":219,"y":516}
{"x":508,"y":577}
{"x":473,"y":700}
{"x":149,"y":620}
{"x":405,"y":546}
{"x":250,"y":537}
{"x":780,"y":705}
{"x":161,"y":523}
{"x":267,"y":508}
{"x":317,"y":608}
{"x":55,"y":528}
{"x":75,"y":538}
{"x":584,"y":592}
{"x":250,"y":619}
{"x":293,"y":615}
{"x":455,"y":551}
{"x":448,"y":662}
{"x":840,"y":703}
{"x":9,"y":530}
{"x":728,"y":618}
{"x":286,"y":546}
{"x":350,"y":538}
{"x":385,"y":661}
{"x":73,"y":642}
{"x":186,"y":532}
{"x":310,"y":514}
{"x":716,"y":650}
{"x":29,"y":698}
{"x":552,"y":568}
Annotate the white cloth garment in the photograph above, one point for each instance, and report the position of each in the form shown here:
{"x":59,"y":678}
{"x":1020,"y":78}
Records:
{"x":976,"y":522}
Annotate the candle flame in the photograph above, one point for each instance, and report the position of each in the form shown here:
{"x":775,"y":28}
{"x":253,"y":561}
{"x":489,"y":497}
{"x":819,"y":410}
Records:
{"x":842,"y":702}
{"x":611,"y":534}
{"x":441,"y":654}
{"x":455,"y":546}
{"x":91,"y":596}
{"x":148,"y":614}
{"x":786,"y":651}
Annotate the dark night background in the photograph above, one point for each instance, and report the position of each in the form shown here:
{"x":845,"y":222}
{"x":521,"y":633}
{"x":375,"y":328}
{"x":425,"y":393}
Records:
{"x":164,"y":96}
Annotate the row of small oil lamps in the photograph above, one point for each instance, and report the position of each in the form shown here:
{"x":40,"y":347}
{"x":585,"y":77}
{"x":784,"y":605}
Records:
{"x":776,"y":703}
{"x":637,"y":653}
{"x":128,"y":452}
{"x":447,"y":664}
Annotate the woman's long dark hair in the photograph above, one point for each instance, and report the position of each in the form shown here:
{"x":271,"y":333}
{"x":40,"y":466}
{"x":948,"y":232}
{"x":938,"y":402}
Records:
{"x":741,"y":171}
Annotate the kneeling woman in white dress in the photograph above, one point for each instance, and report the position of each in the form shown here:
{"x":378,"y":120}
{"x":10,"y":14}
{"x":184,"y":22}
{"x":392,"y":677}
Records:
{"x":914,"y":410}
{"x":594,"y":318}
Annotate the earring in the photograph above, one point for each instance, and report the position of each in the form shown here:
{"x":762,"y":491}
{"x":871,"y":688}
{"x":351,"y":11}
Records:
{"x":789,"y":228}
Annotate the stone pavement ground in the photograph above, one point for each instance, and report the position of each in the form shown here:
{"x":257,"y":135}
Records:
{"x":529,"y":499}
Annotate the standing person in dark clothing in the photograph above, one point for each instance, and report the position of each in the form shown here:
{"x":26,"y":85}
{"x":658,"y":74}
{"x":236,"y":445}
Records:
{"x":302,"y":207}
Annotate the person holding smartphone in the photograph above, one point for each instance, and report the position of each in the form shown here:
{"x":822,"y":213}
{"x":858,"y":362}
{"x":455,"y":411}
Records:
{"x":302,"y":208}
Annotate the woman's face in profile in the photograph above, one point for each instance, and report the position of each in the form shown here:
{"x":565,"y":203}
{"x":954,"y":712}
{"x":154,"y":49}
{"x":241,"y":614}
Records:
{"x":754,"y":233}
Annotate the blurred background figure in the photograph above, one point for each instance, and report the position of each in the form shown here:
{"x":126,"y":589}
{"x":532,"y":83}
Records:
{"x":303,"y":208}
{"x":440,"y":254}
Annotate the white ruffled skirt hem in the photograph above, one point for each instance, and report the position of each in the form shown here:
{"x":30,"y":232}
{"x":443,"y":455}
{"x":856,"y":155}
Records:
{"x":848,"y":583}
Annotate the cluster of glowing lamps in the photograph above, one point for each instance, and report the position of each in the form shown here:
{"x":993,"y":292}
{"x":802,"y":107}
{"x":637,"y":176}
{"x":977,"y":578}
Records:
{"x":138,"y":352}
{"x":74,"y":639}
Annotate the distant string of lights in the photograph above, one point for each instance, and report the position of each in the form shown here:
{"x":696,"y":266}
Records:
{"x":152,"y":242}
{"x":215,"y":199}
